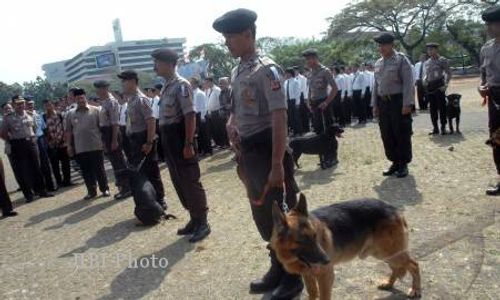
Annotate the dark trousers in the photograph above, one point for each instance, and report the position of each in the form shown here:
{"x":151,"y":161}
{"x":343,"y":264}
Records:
{"x":5,"y":203}
{"x":368,"y":104}
{"x":437,"y":101}
{"x":294,"y":122}
{"x":305,"y":115}
{"x":150,"y":168}
{"x":184,"y":173}
{"x":338,"y":115}
{"x":59,"y":161}
{"x":494,"y":122}
{"x":203,"y":135}
{"x":321,"y":118}
{"x":422,"y":101}
{"x":254,"y":166}
{"x":217,"y":128}
{"x":25,"y":157}
{"x":395,"y":129}
{"x":43,"y":155}
{"x":359,"y":105}
{"x":159,"y":147}
{"x":116,"y":158}
{"x":92,"y":167}
{"x":347,"y":109}
{"x":15,"y":170}
{"x":125,"y":142}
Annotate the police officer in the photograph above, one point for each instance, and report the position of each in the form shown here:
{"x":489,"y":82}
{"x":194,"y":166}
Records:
{"x":490,"y":81}
{"x":177,"y":130}
{"x":109,"y":118}
{"x":257,"y":129}
{"x":141,"y":132}
{"x":19,"y":130}
{"x":319,"y":98}
{"x":437,"y":75}
{"x":392,"y":100}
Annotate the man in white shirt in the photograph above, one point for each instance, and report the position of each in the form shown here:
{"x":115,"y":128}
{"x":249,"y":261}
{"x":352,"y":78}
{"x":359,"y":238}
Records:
{"x":200,"y":106}
{"x":292,"y":94}
{"x":214,"y":121}
{"x":304,"y":110}
{"x":419,"y":75}
{"x":369,"y":80}
{"x":154,"y":94}
{"x":358,"y":93}
{"x":347,"y":104}
{"x":122,"y":121}
{"x":338,"y":112}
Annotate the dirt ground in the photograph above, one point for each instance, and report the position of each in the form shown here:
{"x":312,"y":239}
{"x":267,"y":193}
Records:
{"x":67,"y":248}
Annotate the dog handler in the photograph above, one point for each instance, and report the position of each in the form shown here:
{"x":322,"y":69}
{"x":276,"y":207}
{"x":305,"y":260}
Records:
{"x":257,"y":129}
{"x":490,"y":81}
{"x":392,"y":99}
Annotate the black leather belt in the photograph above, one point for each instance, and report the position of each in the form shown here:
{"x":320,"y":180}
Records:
{"x":390,"y":97}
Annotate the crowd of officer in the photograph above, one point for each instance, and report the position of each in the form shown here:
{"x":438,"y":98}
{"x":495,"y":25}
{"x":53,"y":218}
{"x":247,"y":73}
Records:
{"x":254,"y":111}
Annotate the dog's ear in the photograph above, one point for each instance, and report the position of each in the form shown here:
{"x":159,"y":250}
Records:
{"x":279,"y":220}
{"x":301,"y":206}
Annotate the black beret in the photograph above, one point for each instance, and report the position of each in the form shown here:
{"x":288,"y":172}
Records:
{"x":166,"y":55}
{"x":17,"y":99}
{"x":310,"y":52}
{"x":432,"y":45}
{"x":492,"y":14}
{"x":290,"y":71}
{"x":128,"y":75}
{"x":235,"y":21}
{"x":101,"y":84}
{"x":384,"y":38}
{"x":158,"y":86}
{"x":78,"y":92}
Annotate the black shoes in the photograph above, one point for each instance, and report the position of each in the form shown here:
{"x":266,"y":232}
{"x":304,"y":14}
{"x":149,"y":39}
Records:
{"x":201,"y":232}
{"x":123,"y":194}
{"x":290,"y":287}
{"x":106,"y":194}
{"x":46,"y":195}
{"x":271,"y":280}
{"x":188,"y":229}
{"x":9,"y":214}
{"x":392,"y":170}
{"x":90,"y":196}
{"x":402,"y":172}
{"x":495,"y":191}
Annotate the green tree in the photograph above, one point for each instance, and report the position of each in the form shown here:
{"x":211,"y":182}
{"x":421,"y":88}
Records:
{"x":220,"y":61}
{"x":7,"y":91}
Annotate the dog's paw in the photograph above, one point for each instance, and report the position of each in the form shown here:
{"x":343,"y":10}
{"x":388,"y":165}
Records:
{"x":385,"y":286}
{"x":414,"y":294}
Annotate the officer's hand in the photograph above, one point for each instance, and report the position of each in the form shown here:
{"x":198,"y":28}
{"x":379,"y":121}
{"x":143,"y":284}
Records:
{"x":375,"y":111}
{"x":188,"y":151}
{"x":232,"y":133}
{"x":323,"y":105}
{"x":146,"y":148}
{"x":483,"y":90}
{"x":71,"y":152}
{"x":114,"y":146}
{"x":277,"y":176}
{"x":406,"y":110}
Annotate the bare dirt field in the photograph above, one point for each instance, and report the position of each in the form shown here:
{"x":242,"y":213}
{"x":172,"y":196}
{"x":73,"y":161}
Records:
{"x":68,"y":248}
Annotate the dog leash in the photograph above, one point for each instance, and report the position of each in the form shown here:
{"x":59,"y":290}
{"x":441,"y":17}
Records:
{"x":260,"y":201}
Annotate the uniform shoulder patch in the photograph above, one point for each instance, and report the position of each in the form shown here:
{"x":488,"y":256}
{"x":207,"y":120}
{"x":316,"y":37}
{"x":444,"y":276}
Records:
{"x":184,"y":89}
{"x":275,"y":77}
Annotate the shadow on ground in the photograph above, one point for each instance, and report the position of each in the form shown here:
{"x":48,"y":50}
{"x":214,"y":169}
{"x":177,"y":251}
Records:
{"x":135,"y":283}
{"x":399,"y":191}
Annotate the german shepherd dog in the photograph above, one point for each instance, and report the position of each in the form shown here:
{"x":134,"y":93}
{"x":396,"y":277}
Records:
{"x":453,"y":110}
{"x":311,"y":244}
{"x":325,"y":145}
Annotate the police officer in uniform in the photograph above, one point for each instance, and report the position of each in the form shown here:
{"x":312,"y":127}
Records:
{"x":392,"y":100}
{"x":257,"y":129}
{"x":109,"y":122}
{"x":19,"y":130}
{"x":437,"y":75}
{"x":141,"y":132}
{"x":177,"y":130}
{"x":319,"y":98}
{"x":490,"y":81}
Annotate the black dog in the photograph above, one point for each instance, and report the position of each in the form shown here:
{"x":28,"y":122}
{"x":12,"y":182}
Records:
{"x":453,"y":110}
{"x":325,"y":145}
{"x":147,"y":209}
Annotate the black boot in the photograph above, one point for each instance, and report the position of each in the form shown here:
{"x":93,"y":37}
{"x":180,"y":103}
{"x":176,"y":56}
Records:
{"x":443,"y":129}
{"x":434,"y":131}
{"x":290,"y":287}
{"x":402,"y":172}
{"x":392,"y":169}
{"x":271,"y":279}
{"x":495,"y":191}
{"x":201,"y":231}
{"x":188,"y":229}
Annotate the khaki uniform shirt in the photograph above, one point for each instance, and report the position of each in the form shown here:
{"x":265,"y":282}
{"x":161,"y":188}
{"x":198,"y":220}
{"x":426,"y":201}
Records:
{"x":257,"y":90}
{"x":176,"y":100}
{"x":435,"y":69}
{"x":139,"y":111}
{"x":319,"y":81}
{"x":110,"y":113}
{"x":83,"y":123}
{"x":19,"y":126}
{"x":394,"y":75}
{"x":490,"y":64}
